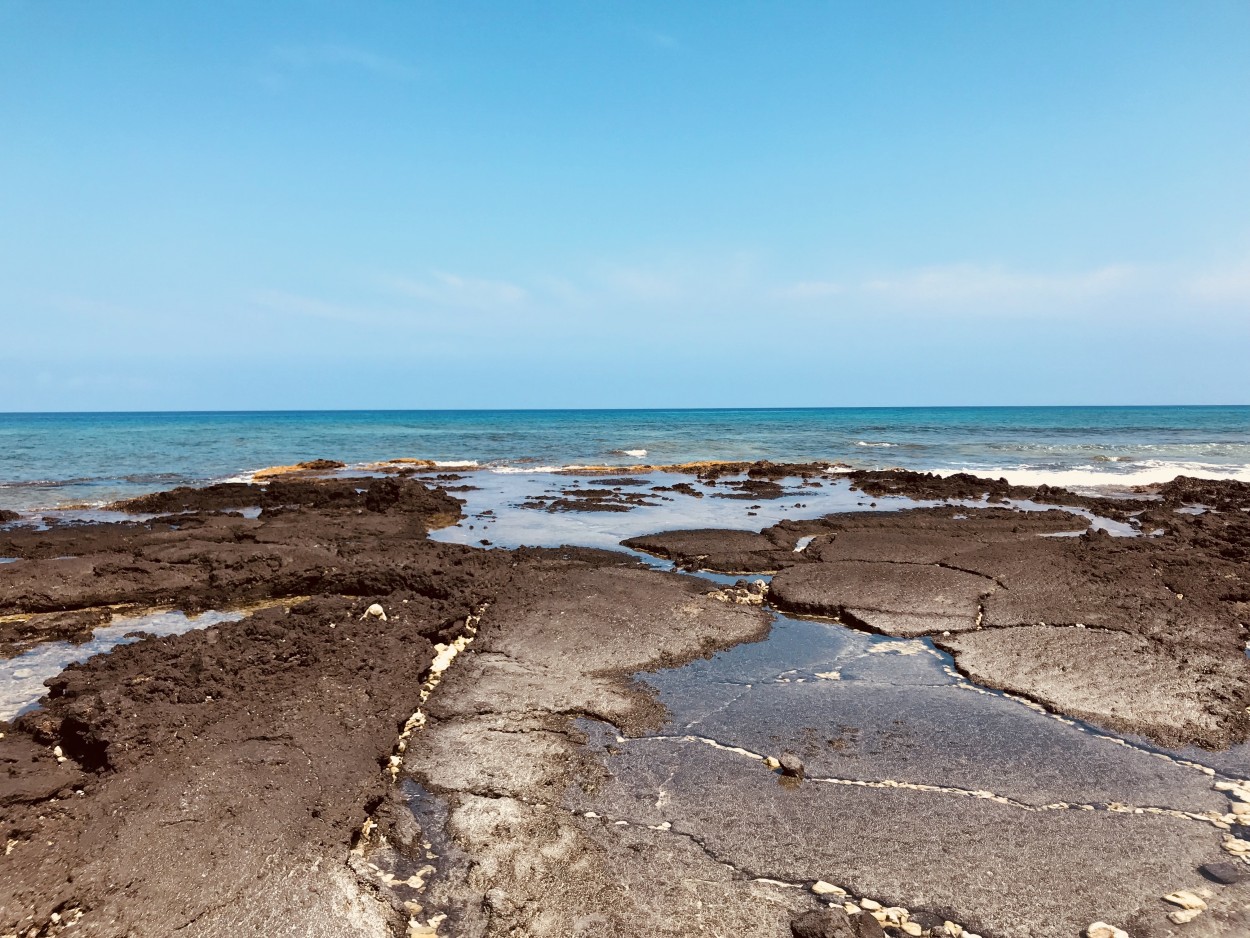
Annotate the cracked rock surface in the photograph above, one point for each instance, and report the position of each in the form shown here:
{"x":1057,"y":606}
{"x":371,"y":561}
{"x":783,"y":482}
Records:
{"x":1142,"y":635}
{"x":921,"y":791}
{"x":599,"y":754}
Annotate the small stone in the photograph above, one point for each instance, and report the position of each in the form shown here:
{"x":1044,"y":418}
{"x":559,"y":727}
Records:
{"x":913,"y":928}
{"x":821,"y":888}
{"x":772,"y":763}
{"x":1103,"y":930}
{"x":375,"y":612}
{"x":791,"y":765}
{"x":1225,"y":873}
{"x":496,"y":900}
{"x":868,"y":927}
{"x":1184,"y":916}
{"x":872,"y":905}
{"x":822,"y":923}
{"x":1185,"y":899}
{"x":926,"y":920}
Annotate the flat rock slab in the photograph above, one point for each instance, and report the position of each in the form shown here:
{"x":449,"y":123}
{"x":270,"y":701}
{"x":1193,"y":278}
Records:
{"x":543,"y":872}
{"x":721,"y":550}
{"x":912,"y":598}
{"x":1114,"y":679}
{"x":946,"y":736}
{"x":994,"y":868}
{"x":501,"y":749}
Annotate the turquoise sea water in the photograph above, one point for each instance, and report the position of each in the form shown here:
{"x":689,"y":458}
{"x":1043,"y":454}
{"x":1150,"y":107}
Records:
{"x":56,"y":459}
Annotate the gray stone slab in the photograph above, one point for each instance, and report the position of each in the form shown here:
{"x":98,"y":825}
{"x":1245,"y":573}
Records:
{"x":997,"y":869}
{"x":900,"y":588}
{"x":950,"y":736}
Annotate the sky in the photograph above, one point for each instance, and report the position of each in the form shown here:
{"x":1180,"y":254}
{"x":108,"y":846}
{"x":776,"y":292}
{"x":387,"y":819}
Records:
{"x":617,"y":204}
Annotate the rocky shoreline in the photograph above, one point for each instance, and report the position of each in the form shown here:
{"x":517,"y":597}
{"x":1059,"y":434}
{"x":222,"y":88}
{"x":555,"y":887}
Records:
{"x":297,"y":773}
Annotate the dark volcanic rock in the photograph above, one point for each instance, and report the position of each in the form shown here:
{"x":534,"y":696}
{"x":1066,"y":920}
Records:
{"x":752,"y":489}
{"x":596,"y":499}
{"x":765,"y":470}
{"x":74,"y":626}
{"x":223,"y":495}
{"x":867,"y":927}
{"x":1141,"y":635}
{"x":719,"y":550}
{"x":1223,"y":495}
{"x":6,"y":515}
{"x":822,"y":923}
{"x":961,"y":485}
{"x":225,"y":775}
{"x":224,"y":767}
{"x":406,"y":495}
{"x":1225,"y":873}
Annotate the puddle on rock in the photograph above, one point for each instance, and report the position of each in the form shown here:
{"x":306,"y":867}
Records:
{"x":858,"y":706}
{"x":494,"y":515}
{"x":22,"y":677}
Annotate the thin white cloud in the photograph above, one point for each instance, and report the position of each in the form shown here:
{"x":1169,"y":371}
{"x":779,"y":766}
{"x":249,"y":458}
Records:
{"x":90,"y":308}
{"x":447,"y":289}
{"x":639,"y":283}
{"x":293,"y":304}
{"x":329,"y":55}
{"x":563,"y":291}
{"x":973,"y":283}
{"x":812,"y":290}
{"x":698,"y":279}
{"x":1223,"y":285}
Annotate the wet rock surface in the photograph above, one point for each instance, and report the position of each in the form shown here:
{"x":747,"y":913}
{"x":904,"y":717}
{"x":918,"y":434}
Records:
{"x":591,"y":499}
{"x":75,"y":626}
{"x":212,"y":783}
{"x":560,"y":742}
{"x":1144,"y":634}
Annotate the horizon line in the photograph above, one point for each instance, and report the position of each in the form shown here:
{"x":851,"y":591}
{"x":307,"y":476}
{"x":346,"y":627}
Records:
{"x":653,"y":409}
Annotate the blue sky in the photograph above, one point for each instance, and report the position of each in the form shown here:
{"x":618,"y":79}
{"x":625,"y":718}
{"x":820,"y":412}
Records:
{"x":334,"y":204}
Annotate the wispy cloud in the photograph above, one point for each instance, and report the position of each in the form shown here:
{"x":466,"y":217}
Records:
{"x":959,"y":283}
{"x":1230,"y":284}
{"x":658,"y":40}
{"x":454,"y":290}
{"x":812,"y":290}
{"x":293,"y":304}
{"x":330,"y":55}
{"x":640,"y":283}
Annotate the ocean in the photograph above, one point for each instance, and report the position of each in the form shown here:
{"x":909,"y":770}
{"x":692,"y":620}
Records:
{"x":57,"y":460}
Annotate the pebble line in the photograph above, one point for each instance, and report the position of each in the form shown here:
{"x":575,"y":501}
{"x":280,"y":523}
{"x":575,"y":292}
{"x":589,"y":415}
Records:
{"x":834,"y":896}
{"x":444,"y":657}
{"x":1222,"y":822}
